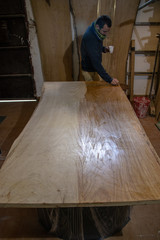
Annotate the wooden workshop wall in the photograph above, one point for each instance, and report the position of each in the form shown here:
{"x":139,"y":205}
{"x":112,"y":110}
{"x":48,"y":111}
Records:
{"x":123,"y":16}
{"x":84,"y":13}
{"x":60,"y":37}
{"x":52,"y":19}
{"x":145,"y":41}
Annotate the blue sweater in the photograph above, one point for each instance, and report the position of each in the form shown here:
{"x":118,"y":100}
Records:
{"x":91,"y":53}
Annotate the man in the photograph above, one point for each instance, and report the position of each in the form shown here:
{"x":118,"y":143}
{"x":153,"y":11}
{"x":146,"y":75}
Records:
{"x":92,"y":48}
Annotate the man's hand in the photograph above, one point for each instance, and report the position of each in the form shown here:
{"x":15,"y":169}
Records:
{"x":105,"y":49}
{"x":115,"y":81}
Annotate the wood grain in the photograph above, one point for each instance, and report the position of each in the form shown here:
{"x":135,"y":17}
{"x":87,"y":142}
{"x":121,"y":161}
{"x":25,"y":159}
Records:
{"x":84,"y":13}
{"x":83,"y":146}
{"x":55,"y":38}
{"x":121,"y":33}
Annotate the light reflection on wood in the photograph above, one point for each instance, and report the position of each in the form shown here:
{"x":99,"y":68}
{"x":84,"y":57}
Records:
{"x":83,"y":146}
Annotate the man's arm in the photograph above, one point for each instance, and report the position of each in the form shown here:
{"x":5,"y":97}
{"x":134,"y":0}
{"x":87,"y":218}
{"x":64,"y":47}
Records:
{"x":95,"y":57}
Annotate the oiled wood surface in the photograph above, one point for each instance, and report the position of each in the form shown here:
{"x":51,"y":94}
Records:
{"x":83,"y":146}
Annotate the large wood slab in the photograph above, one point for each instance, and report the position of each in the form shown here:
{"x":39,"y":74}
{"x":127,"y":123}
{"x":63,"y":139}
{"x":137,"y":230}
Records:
{"x":52,"y":19}
{"x":123,"y":16}
{"x":83,"y":146}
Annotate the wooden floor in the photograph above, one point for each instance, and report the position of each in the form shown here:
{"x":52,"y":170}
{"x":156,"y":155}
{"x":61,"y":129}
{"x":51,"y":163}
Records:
{"x":24,"y":223}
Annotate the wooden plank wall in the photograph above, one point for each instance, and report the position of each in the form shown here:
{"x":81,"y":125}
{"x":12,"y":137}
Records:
{"x":55,"y":39}
{"x":145,"y":40}
{"x":124,"y":14}
{"x":59,"y":60}
{"x":85,"y":12}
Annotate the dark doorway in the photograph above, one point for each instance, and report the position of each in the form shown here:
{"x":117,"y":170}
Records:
{"x":16,"y":72}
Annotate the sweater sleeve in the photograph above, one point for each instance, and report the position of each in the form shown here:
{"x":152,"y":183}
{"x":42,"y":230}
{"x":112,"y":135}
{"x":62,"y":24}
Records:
{"x":94,"y":54}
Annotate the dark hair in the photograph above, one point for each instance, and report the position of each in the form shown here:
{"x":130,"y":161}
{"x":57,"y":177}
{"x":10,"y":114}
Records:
{"x":102,"y":20}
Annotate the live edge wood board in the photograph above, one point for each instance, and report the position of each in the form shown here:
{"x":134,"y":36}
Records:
{"x":83,"y":146}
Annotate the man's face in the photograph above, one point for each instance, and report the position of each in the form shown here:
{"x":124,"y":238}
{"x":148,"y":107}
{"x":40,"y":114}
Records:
{"x":104,"y":31}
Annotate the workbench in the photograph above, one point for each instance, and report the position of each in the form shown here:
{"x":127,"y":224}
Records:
{"x":83,"y":146}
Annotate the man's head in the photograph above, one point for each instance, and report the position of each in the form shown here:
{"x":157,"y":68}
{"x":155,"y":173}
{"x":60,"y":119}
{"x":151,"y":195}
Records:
{"x":103,"y":24}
